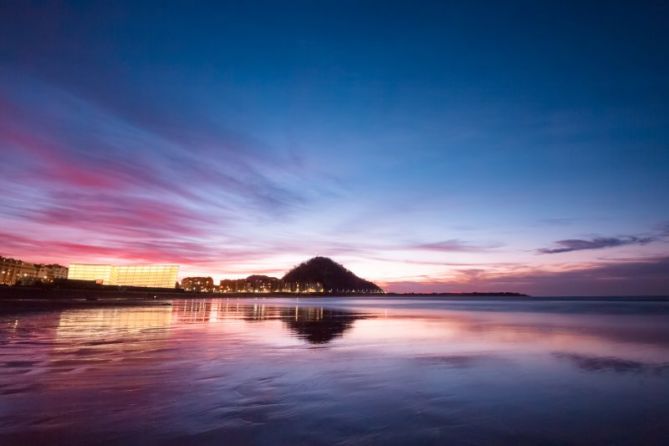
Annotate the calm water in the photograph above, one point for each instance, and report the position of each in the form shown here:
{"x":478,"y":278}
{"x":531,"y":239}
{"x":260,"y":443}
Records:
{"x":338,"y":371}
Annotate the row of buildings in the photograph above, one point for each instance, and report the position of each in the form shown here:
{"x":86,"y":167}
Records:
{"x":251,"y":284}
{"x":18,"y":272}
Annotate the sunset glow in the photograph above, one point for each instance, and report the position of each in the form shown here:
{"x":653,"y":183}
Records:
{"x":180,"y":136}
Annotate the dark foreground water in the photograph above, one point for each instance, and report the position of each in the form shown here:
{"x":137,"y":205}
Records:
{"x":338,"y":371}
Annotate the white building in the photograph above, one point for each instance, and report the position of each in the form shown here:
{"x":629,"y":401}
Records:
{"x":150,"y":275}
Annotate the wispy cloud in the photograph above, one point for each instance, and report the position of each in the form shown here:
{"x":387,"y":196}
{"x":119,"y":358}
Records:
{"x":570,"y":245}
{"x":77,"y":144}
{"x":555,"y":221}
{"x":649,"y":276}
{"x":94,"y":180}
{"x":453,"y":245}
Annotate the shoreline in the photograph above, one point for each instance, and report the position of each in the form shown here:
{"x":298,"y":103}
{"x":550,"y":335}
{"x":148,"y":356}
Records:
{"x":36,"y":298}
{"x":99,"y":294}
{"x":13,"y":292}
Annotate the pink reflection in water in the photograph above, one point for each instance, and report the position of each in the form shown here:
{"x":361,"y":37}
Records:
{"x":276,"y":371}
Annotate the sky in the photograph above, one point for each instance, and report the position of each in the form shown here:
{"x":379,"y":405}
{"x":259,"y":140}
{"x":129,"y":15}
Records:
{"x":427,"y":146}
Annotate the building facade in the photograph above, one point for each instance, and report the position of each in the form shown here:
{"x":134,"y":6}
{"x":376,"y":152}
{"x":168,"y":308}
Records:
{"x":198,"y":284}
{"x":150,"y":275}
{"x":49,"y":273}
{"x":18,"y":272}
{"x":265,"y":284}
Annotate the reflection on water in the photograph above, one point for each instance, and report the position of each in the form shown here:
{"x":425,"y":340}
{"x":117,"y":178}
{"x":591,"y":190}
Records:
{"x":317,"y":325}
{"x":110,"y":323}
{"x":337,"y":371}
{"x":613,"y":364}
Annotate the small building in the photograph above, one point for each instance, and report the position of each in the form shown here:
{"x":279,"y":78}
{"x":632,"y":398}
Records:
{"x":198,"y":284}
{"x":13,"y":272}
{"x":49,"y":273}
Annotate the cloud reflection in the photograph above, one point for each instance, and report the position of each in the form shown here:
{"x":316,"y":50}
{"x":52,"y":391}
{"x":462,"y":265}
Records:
{"x":613,"y":364}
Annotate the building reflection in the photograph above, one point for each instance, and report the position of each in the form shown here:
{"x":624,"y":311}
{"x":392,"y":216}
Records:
{"x":315,"y":324}
{"x":433,"y":336}
{"x":112,"y":323}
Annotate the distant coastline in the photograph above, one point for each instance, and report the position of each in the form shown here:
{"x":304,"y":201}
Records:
{"x":18,"y":299}
{"x":104,"y":291}
{"x":110,"y":293}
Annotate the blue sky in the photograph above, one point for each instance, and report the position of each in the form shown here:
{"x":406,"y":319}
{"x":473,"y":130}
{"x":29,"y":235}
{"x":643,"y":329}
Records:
{"x":430,"y":147}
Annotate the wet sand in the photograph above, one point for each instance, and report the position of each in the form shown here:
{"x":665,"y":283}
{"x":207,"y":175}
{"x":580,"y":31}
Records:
{"x":337,"y":371}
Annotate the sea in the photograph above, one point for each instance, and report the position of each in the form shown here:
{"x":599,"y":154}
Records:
{"x":337,"y":371}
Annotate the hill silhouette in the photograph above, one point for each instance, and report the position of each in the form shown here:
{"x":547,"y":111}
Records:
{"x":334,"y":277}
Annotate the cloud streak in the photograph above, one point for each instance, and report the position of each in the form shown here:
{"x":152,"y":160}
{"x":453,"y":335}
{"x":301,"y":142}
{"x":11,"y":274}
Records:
{"x":645,"y":276}
{"x":570,"y":245}
{"x":79,"y":145}
{"x":453,"y":245}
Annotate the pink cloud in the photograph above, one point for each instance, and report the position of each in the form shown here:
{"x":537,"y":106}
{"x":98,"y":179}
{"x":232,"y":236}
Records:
{"x":645,"y":276}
